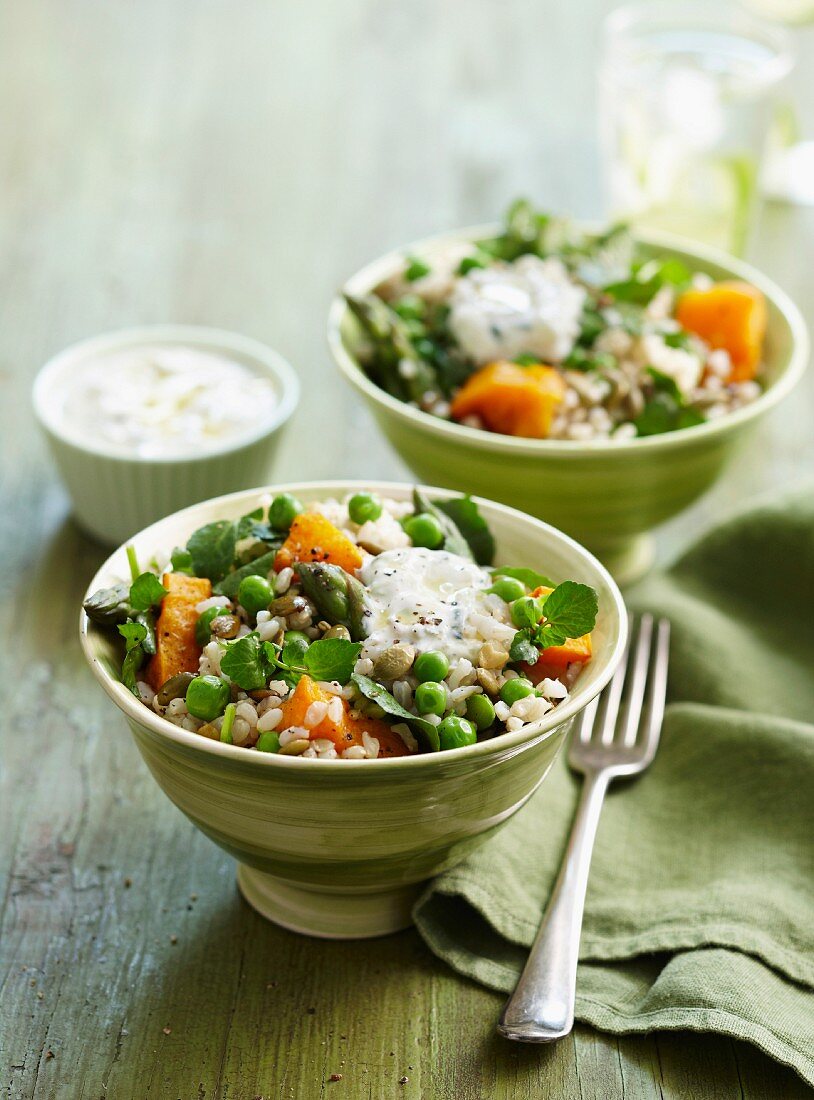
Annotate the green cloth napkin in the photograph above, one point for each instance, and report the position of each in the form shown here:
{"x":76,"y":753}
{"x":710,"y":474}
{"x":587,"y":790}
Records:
{"x":700,"y":908}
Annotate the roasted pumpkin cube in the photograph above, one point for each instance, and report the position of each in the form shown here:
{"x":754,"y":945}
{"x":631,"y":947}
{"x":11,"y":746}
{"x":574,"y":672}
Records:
{"x":730,"y":315}
{"x":511,"y":399}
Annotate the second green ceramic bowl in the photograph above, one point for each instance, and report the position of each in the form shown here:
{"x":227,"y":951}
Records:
{"x":606,"y":494}
{"x":341,"y":848}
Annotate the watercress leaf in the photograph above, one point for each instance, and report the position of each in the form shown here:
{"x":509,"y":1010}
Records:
{"x":147,"y":620}
{"x":246,"y":663}
{"x":109,"y":606}
{"x":464,"y":513}
{"x":425,"y":731}
{"x":546,"y":636}
{"x":181,"y":560}
{"x":571,"y":610}
{"x":243,"y":526}
{"x":212,"y":548}
{"x":659,"y":415}
{"x":146,"y":591}
{"x":260,"y":567}
{"x":134,"y":635}
{"x":678,"y":339}
{"x":266,"y":533}
{"x":529,"y":577}
{"x":523,"y":647}
{"x":331,"y":659}
{"x":665,"y":384}
{"x":688,"y":418}
{"x":454,"y":541}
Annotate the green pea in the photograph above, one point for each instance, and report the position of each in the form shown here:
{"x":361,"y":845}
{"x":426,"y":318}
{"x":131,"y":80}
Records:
{"x":207,"y":697}
{"x":203,"y":631}
{"x":283,"y":510}
{"x":268,"y":741}
{"x":432,"y":665}
{"x":255,"y":594}
{"x":363,"y":507}
{"x":508,"y":588}
{"x":517,"y":688}
{"x":454,"y":732}
{"x":526,"y":611}
{"x":480,"y":710}
{"x":424,"y":530}
{"x":431,"y":698}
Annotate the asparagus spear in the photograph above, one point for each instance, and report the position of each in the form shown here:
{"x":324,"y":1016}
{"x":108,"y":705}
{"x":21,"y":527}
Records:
{"x":338,"y":596}
{"x":395,"y":365}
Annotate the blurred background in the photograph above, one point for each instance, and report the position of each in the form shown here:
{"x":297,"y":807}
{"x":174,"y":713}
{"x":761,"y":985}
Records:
{"x":230,"y":163}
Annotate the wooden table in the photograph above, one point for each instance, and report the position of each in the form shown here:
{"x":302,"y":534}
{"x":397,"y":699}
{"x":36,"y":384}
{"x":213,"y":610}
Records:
{"x":227,"y":162}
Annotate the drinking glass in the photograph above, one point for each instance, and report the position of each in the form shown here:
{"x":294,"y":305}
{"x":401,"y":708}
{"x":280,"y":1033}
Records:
{"x":686,"y":102}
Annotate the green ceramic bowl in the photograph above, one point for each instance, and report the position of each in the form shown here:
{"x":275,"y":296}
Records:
{"x":340,"y":848}
{"x":606,"y":494}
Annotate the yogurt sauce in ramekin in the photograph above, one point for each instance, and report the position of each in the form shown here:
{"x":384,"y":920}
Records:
{"x":164,"y":400}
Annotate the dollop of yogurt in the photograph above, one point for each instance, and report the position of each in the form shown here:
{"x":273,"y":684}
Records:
{"x":165,"y":400}
{"x":527,"y":307}
{"x":426,"y":599}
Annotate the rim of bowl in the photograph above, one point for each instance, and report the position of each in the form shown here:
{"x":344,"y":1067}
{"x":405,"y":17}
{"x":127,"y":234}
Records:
{"x":371,"y":274}
{"x":265,"y":360}
{"x":576,"y":702}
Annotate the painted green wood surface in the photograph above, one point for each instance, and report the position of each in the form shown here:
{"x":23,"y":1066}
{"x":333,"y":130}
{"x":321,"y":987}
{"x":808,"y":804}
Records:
{"x":227,"y":162}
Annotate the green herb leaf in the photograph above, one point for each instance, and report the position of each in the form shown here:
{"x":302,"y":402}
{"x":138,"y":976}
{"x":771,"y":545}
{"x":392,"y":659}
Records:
{"x":244,"y":526}
{"x":246,"y":663}
{"x":664,"y":383}
{"x":529,"y":577}
{"x":134,"y":635}
{"x":181,"y":560}
{"x":146,"y":591}
{"x":660,"y":414}
{"x":570,"y":609}
{"x":454,"y":541}
{"x":470,"y":523}
{"x":527,"y":360}
{"x":688,"y":418}
{"x":470,"y":263}
{"x":260,"y":567}
{"x":425,"y":731}
{"x":648,"y":279}
{"x":212,"y":548}
{"x":415,"y":269}
{"x":523,"y":647}
{"x":109,"y":606}
{"x":678,"y":339}
{"x":331,"y":659}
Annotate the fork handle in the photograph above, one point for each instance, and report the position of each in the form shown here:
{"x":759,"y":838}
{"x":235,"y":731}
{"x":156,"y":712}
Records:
{"x":541,"y":1009}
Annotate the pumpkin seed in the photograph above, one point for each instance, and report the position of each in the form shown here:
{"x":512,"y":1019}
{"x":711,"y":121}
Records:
{"x":175,"y":688}
{"x":394,"y":663}
{"x":295,"y":748}
{"x":225,"y":626}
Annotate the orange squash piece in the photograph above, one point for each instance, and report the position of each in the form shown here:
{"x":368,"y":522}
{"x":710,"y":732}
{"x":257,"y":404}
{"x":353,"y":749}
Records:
{"x":730,"y":315}
{"x":511,"y":399}
{"x":314,"y":538}
{"x":347,"y":730}
{"x":554,"y":661}
{"x":176,"y":648}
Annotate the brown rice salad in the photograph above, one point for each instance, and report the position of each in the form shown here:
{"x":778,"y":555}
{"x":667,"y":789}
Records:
{"x":546,"y":332}
{"x":359,"y":628}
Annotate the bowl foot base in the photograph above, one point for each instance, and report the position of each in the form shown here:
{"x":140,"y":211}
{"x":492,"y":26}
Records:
{"x":629,"y":560}
{"x":327,"y":915}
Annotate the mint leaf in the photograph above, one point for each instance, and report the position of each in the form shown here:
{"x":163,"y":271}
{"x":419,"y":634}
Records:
{"x":146,"y":591}
{"x":331,"y":659}
{"x":246,"y":663}
{"x":212,"y":549}
{"x":529,"y":577}
{"x":463,"y":512}
{"x":664,"y":383}
{"x":570,"y":610}
{"x":523,"y":647}
{"x":424,"y":730}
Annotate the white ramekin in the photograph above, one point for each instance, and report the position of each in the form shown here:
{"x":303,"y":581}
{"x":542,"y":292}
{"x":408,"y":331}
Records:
{"x":115,"y":495}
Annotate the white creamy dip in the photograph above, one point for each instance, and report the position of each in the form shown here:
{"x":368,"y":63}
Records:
{"x":527,"y":307}
{"x":427,"y":599}
{"x":164,"y":401}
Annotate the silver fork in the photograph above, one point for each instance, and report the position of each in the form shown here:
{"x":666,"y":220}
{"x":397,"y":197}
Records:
{"x":617,"y":735}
